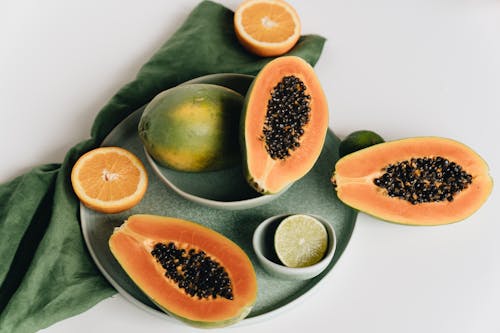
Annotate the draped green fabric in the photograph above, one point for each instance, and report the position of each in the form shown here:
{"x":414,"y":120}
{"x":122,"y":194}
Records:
{"x":46,"y":273}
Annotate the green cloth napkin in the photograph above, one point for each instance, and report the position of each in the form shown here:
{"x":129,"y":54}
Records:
{"x":46,"y":273}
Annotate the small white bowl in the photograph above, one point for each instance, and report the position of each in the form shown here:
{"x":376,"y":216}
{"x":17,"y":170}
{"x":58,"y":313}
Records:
{"x":263,"y":245}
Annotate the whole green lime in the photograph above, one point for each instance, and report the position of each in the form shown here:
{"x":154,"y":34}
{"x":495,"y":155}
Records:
{"x":358,"y":140}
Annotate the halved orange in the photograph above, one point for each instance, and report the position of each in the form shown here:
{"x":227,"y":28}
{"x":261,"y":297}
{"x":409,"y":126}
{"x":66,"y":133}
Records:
{"x":267,"y":27}
{"x":109,"y":179}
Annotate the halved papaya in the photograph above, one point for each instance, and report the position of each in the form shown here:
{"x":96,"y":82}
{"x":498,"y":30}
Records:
{"x":417,"y":181}
{"x":283,"y":125}
{"x":190,"y":271}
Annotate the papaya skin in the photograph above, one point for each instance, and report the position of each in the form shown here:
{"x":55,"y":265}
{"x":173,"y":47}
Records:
{"x":354,"y":175}
{"x":193,"y":128}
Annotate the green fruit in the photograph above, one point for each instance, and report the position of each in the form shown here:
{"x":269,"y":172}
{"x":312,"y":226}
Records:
{"x":193,"y":127}
{"x":300,"y":241}
{"x":358,"y":140}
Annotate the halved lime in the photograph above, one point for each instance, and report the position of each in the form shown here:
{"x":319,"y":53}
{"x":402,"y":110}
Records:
{"x":300,"y":241}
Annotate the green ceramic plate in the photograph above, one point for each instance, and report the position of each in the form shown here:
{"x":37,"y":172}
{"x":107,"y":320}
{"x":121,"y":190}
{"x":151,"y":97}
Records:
{"x":313,"y":194}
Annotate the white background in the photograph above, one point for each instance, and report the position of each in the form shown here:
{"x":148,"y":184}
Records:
{"x":399,"y":67}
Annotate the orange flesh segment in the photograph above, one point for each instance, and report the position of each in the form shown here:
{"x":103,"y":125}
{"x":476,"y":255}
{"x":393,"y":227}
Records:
{"x":109,"y":177}
{"x":268,"y":23}
{"x":267,"y":28}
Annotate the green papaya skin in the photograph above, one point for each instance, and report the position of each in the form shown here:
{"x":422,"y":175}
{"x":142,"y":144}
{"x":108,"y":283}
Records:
{"x":193,"y":128}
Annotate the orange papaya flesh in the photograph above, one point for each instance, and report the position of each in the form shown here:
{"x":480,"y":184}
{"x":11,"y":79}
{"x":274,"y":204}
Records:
{"x":457,"y":194}
{"x":272,"y":160}
{"x":133,"y":246}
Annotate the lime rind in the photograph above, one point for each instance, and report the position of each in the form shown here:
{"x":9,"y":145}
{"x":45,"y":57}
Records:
{"x":358,"y":140}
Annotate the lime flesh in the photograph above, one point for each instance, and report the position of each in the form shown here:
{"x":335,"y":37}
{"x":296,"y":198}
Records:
{"x":300,"y":241}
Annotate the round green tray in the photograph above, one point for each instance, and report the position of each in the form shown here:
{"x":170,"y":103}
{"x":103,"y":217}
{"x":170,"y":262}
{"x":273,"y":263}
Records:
{"x":313,"y":194}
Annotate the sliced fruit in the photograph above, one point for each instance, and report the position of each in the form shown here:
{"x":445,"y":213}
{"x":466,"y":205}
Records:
{"x":109,"y":179}
{"x":358,"y":140}
{"x":300,"y":241}
{"x":193,"y":127}
{"x":190,"y":271}
{"x":267,"y":27}
{"x":283,"y":125}
{"x":418,"y":181}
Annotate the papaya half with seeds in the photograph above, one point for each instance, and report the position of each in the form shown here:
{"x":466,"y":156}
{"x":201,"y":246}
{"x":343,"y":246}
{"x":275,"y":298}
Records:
{"x":416,"y":181}
{"x":283,"y":125}
{"x":190,"y":271}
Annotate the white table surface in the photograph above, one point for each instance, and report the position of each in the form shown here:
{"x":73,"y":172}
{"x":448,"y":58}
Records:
{"x":399,"y":67}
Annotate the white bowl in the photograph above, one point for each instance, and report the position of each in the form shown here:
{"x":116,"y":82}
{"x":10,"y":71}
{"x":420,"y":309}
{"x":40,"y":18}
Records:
{"x":263,"y":245}
{"x":224,"y":189}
